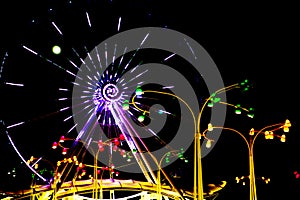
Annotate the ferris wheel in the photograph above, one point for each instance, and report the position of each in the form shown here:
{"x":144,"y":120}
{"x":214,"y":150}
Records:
{"x":120,"y":106}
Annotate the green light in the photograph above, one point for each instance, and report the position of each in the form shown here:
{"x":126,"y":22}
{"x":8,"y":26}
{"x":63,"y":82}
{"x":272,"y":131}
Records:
{"x":245,"y":85}
{"x":213,"y":101}
{"x":141,"y":118}
{"x":210,"y":104}
{"x":125,"y":105}
{"x":251,"y":112}
{"x":238,"y":109}
{"x":138,"y":91}
{"x":56,"y":49}
{"x":216,"y":100}
{"x":180,"y":155}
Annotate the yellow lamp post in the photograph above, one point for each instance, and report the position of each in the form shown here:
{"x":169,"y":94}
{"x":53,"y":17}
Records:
{"x":198,"y":179}
{"x":268,"y":131}
{"x":159,"y":170}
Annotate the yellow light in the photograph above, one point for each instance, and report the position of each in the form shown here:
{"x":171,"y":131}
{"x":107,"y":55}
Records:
{"x":282,"y":138}
{"x":251,"y":131}
{"x":208,"y":144}
{"x":210,"y":127}
{"x":286,"y":126}
{"x":74,"y":158}
{"x":286,"y":129}
{"x":31,"y":158}
{"x":267,"y":135}
{"x":271,"y":135}
{"x":287,"y":123}
{"x":80,"y":165}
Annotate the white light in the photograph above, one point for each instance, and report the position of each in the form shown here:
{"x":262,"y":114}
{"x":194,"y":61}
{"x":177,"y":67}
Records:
{"x":56,"y":49}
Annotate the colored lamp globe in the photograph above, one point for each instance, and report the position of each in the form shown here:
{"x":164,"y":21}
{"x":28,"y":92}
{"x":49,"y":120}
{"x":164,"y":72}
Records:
{"x":56,"y":49}
{"x":138,"y":91}
{"x":141,"y":118}
{"x":125,"y":105}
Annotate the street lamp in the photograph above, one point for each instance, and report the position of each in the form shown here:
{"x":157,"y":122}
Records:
{"x":158,"y":181}
{"x":213,"y":99}
{"x":268,"y":131}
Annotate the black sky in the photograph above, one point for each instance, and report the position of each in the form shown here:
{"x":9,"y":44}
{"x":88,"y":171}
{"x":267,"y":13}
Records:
{"x":246,"y":40}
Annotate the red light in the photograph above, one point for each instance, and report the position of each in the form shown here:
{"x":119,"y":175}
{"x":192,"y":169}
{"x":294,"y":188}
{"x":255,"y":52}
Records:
{"x":122,"y":152}
{"x":64,"y":152}
{"x":101,"y":149}
{"x":115,"y":148}
{"x":116,"y":141}
{"x":54,"y":146}
{"x":122,"y":137}
{"x":62,"y":139}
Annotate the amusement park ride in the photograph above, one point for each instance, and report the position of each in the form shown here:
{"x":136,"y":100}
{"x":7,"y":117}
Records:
{"x":81,"y":174}
{"x":117,"y":145}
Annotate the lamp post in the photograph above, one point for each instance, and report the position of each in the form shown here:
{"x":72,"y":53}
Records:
{"x":268,"y":131}
{"x":159,"y":170}
{"x":198,"y":179}
{"x":158,"y":184}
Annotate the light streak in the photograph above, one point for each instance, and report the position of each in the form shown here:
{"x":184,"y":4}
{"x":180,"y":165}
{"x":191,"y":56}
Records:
{"x":18,"y":124}
{"x":57,"y":28}
{"x":119,"y":24}
{"x":15,"y":84}
{"x":88,"y":19}
{"x":167,"y":58}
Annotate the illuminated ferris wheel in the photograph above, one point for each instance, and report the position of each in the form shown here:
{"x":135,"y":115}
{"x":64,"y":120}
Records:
{"x":123,"y":111}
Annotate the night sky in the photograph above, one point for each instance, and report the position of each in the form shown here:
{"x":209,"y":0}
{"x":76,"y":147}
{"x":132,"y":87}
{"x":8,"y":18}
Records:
{"x":246,"y":41}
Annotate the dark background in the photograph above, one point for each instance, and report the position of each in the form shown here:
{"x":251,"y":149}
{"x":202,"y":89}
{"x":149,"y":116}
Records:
{"x":246,"y":40}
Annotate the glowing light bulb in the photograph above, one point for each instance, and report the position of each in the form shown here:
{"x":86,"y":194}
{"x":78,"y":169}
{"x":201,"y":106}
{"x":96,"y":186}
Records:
{"x":271,"y":136}
{"x":210,"y":104}
{"x":138,"y":91}
{"x":141,"y":118}
{"x":122,"y":137}
{"x":210,"y":127}
{"x":62,"y":139}
{"x":64,"y":152}
{"x":56,"y":49}
{"x":54,"y":145}
{"x":250,"y":112}
{"x":282,"y":138}
{"x":238,"y":109}
{"x":267,"y":135}
{"x":125,"y":105}
{"x":208,"y":144}
{"x":251,"y":131}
